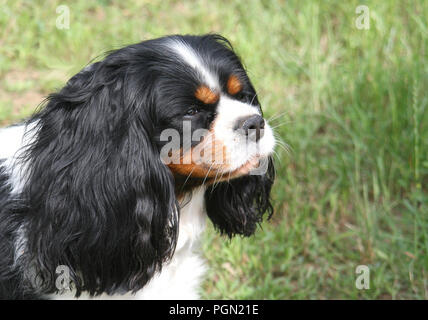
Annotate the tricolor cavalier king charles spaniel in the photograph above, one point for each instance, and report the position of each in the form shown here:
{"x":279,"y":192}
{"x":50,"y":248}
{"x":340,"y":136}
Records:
{"x":85,"y":189}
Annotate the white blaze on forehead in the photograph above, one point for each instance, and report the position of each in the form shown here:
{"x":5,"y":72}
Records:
{"x":194,"y":60}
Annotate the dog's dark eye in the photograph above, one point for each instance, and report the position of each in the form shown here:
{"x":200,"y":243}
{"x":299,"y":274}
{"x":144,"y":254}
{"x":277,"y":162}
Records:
{"x":192,"y":111}
{"x":240,"y":96}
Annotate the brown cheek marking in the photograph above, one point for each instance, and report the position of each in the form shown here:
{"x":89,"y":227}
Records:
{"x":193,"y":170}
{"x":204,"y":94}
{"x":233,"y":85}
{"x":189,"y":166}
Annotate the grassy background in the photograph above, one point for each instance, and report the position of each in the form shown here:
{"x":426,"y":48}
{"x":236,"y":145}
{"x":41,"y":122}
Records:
{"x":350,"y":103}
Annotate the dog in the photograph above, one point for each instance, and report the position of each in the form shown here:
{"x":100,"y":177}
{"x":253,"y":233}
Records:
{"x":98,"y":200}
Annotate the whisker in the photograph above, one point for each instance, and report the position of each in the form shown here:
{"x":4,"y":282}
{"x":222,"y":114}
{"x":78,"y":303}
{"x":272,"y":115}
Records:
{"x":281,"y":143}
{"x":280,"y":124}
{"x":228,"y":178}
{"x":285,"y":147}
{"x":185,"y":181}
{"x":276,"y":154}
{"x":214,"y":184}
{"x":253,"y":98}
{"x":274,"y":117}
{"x":218,"y":171}
{"x":203,"y":182}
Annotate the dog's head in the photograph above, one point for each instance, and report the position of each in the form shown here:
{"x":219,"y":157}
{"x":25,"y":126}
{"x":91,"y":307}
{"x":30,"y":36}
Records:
{"x":125,"y":140}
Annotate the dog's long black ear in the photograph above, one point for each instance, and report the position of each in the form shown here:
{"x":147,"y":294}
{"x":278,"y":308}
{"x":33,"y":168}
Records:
{"x":236,"y":207}
{"x":100,"y":200}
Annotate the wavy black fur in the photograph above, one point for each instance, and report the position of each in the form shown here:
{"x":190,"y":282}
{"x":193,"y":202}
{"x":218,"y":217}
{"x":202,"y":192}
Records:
{"x":238,"y":206}
{"x":97,"y":198}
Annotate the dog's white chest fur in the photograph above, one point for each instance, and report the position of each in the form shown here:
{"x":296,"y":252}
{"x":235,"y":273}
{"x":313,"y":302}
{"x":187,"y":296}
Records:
{"x":181,"y":277}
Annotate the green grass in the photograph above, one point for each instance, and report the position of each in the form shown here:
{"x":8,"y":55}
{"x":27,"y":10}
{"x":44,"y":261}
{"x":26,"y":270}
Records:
{"x":350,"y":103}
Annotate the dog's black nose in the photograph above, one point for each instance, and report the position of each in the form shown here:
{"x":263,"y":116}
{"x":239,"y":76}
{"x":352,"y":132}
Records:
{"x":251,"y":126}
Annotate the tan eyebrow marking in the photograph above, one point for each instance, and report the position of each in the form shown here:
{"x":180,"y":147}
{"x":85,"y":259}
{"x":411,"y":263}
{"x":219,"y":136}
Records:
{"x":233,"y":85}
{"x":206,"y":95}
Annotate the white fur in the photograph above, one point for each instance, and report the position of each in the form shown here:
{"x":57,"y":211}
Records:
{"x":192,"y":58}
{"x":13,"y":140}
